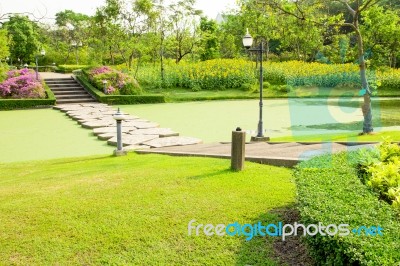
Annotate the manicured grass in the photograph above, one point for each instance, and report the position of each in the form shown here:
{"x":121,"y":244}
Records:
{"x":385,"y":114}
{"x":135,"y":210}
{"x":185,"y":95}
{"x":45,"y":134}
{"x":345,"y":137}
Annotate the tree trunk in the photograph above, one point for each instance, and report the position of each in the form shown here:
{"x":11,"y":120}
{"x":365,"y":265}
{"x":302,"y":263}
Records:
{"x":162,"y":59}
{"x":366,"y":107}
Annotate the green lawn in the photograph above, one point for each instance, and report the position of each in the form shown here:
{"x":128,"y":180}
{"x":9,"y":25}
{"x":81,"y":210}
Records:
{"x":345,"y":137}
{"x":186,"y":95}
{"x":135,"y":210}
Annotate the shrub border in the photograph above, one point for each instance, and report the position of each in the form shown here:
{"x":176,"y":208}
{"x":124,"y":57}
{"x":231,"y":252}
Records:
{"x":330,"y":192}
{"x":12,"y":104}
{"x":117,"y":99}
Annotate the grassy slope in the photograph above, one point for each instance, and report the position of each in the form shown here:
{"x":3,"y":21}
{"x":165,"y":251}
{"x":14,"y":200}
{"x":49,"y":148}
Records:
{"x":135,"y":210}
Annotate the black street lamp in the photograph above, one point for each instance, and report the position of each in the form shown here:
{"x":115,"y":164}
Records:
{"x":42,"y":53}
{"x":247,"y":43}
{"x":76,"y":45}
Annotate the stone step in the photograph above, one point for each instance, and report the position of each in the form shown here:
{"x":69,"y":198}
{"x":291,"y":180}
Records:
{"x":67,"y":92}
{"x":68,"y":101}
{"x":58,"y":79}
{"x":73,"y":96}
{"x":67,"y":88}
{"x":62,"y":85}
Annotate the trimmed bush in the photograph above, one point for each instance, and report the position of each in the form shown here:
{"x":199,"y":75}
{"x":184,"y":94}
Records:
{"x":118,"y":99}
{"x":22,"y":84}
{"x":118,"y":83}
{"x":10,"y":104}
{"x":330,"y":192}
{"x":69,"y":68}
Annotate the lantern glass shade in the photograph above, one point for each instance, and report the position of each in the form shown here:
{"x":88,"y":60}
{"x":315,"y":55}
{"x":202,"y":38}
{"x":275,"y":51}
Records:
{"x":247,"y":40}
{"x":119,"y":116}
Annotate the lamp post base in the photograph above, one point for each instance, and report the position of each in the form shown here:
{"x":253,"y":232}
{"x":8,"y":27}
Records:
{"x":260,"y":139}
{"x":120,"y":153}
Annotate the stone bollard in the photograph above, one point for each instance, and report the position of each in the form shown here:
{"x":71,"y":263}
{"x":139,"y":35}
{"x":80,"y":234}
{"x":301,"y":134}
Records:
{"x":119,"y":117}
{"x":238,"y":149}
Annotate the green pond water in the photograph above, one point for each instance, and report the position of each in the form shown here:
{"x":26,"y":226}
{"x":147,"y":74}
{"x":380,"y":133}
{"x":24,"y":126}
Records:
{"x":45,"y":133}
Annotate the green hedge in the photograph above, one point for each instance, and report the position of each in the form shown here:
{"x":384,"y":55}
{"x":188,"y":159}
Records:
{"x":330,"y":192}
{"x":119,"y":99}
{"x":69,"y":68}
{"x":10,"y":104}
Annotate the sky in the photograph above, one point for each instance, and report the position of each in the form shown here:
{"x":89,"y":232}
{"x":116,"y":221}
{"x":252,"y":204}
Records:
{"x":49,"y":8}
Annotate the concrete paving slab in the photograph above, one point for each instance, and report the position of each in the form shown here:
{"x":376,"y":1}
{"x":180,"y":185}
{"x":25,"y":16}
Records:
{"x":172,"y":141}
{"x":132,"y":139}
{"x":104,"y":130}
{"x":108,"y":136}
{"x":96,"y":124}
{"x":140,"y":125}
{"x":161,"y":132}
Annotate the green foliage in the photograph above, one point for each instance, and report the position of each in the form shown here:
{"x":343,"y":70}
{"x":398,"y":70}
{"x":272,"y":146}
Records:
{"x":330,"y":192}
{"x":389,"y":79}
{"x":380,"y":170}
{"x":3,"y":72}
{"x":209,"y":39}
{"x":24,"y":43}
{"x":297,"y":73}
{"x":70,"y":68}
{"x":4,"y":49}
{"x":215,"y":74}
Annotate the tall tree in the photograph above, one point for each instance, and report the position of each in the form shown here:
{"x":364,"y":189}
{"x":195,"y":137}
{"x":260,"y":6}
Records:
{"x":184,"y":32}
{"x":4,"y":50}
{"x":23,"y":37}
{"x":209,"y":40}
{"x":381,"y":30}
{"x":313,"y":11}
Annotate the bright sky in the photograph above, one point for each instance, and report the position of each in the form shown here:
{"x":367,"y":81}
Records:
{"x":50,"y":7}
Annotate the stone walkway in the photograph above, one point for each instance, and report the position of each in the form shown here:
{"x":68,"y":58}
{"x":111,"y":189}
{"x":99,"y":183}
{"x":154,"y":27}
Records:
{"x":145,"y":137}
{"x":278,"y":154}
{"x":137,"y":134}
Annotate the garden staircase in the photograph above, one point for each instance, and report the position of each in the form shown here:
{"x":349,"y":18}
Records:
{"x":68,"y":90}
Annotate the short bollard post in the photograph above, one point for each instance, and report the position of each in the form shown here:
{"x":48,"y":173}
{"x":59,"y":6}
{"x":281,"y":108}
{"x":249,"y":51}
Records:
{"x":238,"y":149}
{"x":119,"y":117}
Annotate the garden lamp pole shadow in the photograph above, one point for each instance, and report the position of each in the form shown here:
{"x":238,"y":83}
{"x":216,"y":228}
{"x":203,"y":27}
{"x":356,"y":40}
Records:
{"x":247,"y":43}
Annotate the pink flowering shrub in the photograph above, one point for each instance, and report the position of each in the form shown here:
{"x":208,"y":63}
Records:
{"x":22,"y":84}
{"x":118,"y":83}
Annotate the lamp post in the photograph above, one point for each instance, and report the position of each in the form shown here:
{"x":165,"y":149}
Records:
{"x":247,"y":43}
{"x":119,"y":117}
{"x":42,"y":53}
{"x":76,"y":45}
{"x":105,"y":86}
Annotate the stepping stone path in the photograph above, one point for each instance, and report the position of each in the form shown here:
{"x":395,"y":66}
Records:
{"x":137,"y":133}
